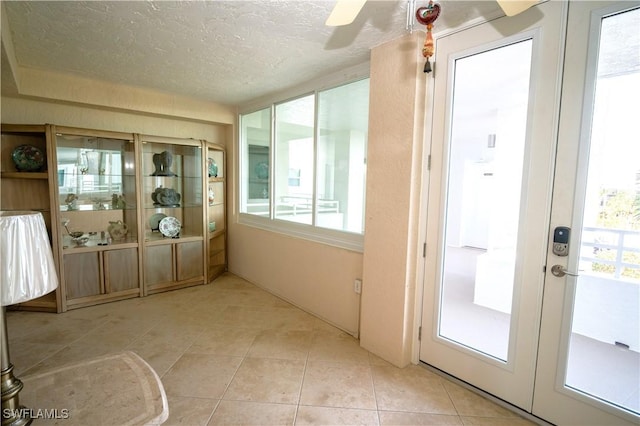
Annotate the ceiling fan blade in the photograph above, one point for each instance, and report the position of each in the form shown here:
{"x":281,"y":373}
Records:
{"x":344,"y":12}
{"x":513,"y":7}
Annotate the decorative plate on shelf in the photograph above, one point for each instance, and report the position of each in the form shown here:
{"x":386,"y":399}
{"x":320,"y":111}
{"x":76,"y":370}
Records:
{"x":262,"y":170}
{"x":154,"y":221}
{"x":213,"y":167}
{"x":170,"y":227}
{"x":28,"y":158}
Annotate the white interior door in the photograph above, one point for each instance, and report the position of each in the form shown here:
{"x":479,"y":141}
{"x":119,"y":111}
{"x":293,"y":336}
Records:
{"x":496,"y":97}
{"x":589,"y":356}
{"x":551,"y":330}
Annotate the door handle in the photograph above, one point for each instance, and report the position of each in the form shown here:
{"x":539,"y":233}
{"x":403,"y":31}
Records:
{"x":560,"y":271}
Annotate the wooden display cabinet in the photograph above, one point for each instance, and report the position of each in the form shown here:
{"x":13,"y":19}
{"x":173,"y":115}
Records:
{"x":30,"y":190}
{"x":173,"y":202}
{"x":216,"y":210}
{"x":97,"y":212}
{"x":94,"y":184}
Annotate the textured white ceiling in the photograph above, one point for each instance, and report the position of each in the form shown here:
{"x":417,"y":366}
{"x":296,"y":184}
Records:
{"x":229,"y":52}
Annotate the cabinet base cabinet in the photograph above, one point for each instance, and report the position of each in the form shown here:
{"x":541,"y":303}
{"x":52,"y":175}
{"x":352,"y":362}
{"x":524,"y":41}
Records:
{"x":173,"y":266}
{"x":158,"y":265}
{"x":83,"y":275}
{"x":101,"y":276}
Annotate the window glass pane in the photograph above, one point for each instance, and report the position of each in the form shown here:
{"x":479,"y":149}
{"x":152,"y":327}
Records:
{"x":343,"y":118}
{"x":604,"y":348}
{"x":255,"y":134}
{"x":294,"y":160}
{"x":485,"y":172}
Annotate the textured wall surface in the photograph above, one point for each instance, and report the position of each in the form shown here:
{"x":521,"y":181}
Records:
{"x":396,"y":119}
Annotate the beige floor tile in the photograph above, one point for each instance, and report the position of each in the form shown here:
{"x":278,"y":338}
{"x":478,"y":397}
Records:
{"x":246,"y":317}
{"x":417,"y":419}
{"x":258,"y":357}
{"x":267,"y":380}
{"x":70,"y":354}
{"x":345,"y":385}
{"x":335,"y":416}
{"x":190,"y":411}
{"x":494,"y":421}
{"x":61,"y":332}
{"x":221,"y":340}
{"x":412,"y":389}
{"x":245,"y":297}
{"x":376,"y":360}
{"x":329,"y":346}
{"x":253,"y":413}
{"x":25,"y":355}
{"x":281,"y":344}
{"x":468,"y":403}
{"x":161,"y":349}
{"x":200,"y":375}
{"x":291,"y":319}
{"x":115,"y":333}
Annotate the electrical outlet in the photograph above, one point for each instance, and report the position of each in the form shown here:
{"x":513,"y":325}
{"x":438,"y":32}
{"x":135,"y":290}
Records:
{"x":357,"y":286}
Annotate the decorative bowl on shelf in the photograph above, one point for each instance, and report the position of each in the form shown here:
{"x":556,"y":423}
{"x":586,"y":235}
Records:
{"x":76,"y":234}
{"x":28,"y":158}
{"x":80,"y":241}
{"x":166,"y":197}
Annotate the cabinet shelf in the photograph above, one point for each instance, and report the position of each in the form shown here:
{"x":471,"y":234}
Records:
{"x":24,"y":175}
{"x":94,"y":245}
{"x":216,"y":233}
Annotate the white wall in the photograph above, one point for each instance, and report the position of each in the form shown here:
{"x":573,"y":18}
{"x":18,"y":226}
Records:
{"x":316,"y":277}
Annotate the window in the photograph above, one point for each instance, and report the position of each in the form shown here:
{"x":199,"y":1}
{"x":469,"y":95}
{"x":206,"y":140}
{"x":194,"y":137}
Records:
{"x":303,"y":165}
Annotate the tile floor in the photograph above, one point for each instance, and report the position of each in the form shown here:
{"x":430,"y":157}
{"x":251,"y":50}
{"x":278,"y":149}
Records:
{"x":231,"y":353}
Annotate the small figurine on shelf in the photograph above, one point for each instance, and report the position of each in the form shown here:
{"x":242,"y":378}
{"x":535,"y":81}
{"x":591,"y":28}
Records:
{"x":118,"y":202}
{"x":72,"y":201}
{"x":162,"y":162}
{"x":212,"y":196}
{"x":118,"y":230}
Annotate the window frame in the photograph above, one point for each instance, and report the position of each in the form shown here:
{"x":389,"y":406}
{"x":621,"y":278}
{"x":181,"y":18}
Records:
{"x":339,"y":238}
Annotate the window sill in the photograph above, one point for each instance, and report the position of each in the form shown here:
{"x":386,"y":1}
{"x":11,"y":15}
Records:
{"x":346,"y":240}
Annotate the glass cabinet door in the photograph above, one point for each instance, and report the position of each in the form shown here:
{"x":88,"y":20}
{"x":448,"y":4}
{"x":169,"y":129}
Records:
{"x":172,"y":190}
{"x":96,"y":190}
{"x":173,"y":199}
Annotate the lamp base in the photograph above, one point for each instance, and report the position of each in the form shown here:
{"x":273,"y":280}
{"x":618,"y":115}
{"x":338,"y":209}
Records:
{"x":13,"y":414}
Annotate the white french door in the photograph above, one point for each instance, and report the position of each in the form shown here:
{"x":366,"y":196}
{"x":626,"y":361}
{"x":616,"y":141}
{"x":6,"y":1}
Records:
{"x":589,"y":353}
{"x":502,"y":179}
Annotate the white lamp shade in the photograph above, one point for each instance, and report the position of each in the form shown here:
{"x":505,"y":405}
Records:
{"x":27,"y":264}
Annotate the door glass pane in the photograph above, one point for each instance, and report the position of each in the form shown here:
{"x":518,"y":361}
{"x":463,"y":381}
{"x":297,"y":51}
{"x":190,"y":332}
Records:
{"x":255,"y":136}
{"x":343,"y":118}
{"x":604,"y":359}
{"x":294,"y":160}
{"x":484,"y":178}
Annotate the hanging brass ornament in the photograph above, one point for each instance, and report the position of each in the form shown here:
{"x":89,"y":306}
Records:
{"x":427,"y":15}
